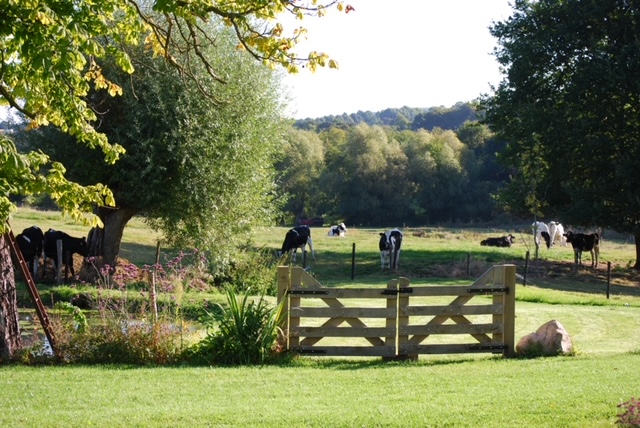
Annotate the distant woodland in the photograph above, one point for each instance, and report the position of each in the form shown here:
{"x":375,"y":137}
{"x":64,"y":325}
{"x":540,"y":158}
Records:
{"x":404,"y":166}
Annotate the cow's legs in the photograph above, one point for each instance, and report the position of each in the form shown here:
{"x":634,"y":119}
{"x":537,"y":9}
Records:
{"x":310,"y":243}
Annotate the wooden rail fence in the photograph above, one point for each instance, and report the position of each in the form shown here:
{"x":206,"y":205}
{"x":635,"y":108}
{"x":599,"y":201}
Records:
{"x":400,"y":321}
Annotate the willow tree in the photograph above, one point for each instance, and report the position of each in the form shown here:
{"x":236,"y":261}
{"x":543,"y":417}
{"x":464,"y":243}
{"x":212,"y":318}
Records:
{"x":52,"y":55}
{"x":202,"y":176}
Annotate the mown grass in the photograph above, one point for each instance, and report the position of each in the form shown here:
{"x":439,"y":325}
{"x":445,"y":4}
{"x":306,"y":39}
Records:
{"x":467,"y":390}
{"x":581,"y":391}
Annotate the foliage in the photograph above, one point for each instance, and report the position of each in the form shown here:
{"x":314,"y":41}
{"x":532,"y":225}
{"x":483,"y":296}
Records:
{"x":119,"y":341}
{"x":630,"y":413}
{"x":49,"y":67}
{"x":21,"y":174}
{"x":372,"y":175}
{"x":244,"y":332}
{"x":201,"y":175}
{"x":568,"y":108}
{"x":251,"y":269}
{"x":79,"y":318}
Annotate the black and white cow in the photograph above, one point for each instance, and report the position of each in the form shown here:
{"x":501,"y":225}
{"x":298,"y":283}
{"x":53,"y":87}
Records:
{"x":298,"y":237}
{"x":390,"y":243}
{"x":339,"y":230}
{"x":70,"y":246}
{"x":583,"y":242}
{"x":503,"y":241}
{"x":31,"y":243}
{"x":541,"y":229}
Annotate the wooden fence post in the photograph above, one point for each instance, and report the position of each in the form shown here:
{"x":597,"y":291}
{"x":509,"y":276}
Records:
{"x":283,"y":289}
{"x":509,"y":302}
{"x":59,"y":260}
{"x":526,"y":269}
{"x":353,"y":261}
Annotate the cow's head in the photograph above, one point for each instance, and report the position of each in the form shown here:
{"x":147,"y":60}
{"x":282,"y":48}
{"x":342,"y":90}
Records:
{"x":569,"y":236}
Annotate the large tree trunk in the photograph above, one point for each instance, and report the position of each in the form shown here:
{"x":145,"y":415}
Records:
{"x":105,"y":242}
{"x":10,"y":340}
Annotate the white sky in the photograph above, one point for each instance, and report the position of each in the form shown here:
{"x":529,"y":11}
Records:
{"x":395,"y":53}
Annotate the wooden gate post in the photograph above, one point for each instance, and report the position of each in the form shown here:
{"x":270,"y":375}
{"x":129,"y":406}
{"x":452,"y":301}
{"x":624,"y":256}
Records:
{"x":392,"y":323}
{"x":403,"y":318}
{"x":284,"y":285}
{"x":506,"y":275}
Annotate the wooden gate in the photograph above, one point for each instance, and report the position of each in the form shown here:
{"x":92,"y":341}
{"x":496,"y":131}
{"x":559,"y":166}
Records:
{"x":399,"y":321}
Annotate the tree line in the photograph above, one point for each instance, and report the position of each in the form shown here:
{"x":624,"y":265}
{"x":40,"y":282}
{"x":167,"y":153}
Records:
{"x":372,"y":175}
{"x":398,"y":118}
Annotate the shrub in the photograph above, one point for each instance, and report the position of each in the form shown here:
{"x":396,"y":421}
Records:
{"x":123,"y":341}
{"x":245,"y":332}
{"x":630,"y":416}
{"x":249,"y":269}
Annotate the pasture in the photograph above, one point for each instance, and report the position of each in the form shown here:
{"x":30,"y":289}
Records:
{"x":467,"y":390}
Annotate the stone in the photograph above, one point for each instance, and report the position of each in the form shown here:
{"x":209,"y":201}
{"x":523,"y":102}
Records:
{"x":550,"y":339}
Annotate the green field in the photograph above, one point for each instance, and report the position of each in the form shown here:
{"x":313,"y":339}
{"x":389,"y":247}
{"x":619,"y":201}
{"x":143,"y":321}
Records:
{"x":466,"y":390}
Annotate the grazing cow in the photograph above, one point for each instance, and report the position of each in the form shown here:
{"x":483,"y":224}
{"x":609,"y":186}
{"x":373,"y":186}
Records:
{"x":339,"y":230}
{"x":503,"y":241}
{"x":70,"y":246}
{"x":583,"y":242}
{"x":31,"y":243}
{"x":540,"y":229}
{"x":298,"y":237}
{"x":557,"y":231}
{"x":390,"y":243}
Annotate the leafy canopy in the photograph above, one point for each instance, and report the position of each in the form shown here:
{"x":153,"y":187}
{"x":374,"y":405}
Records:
{"x":569,"y":108}
{"x":52,"y":53}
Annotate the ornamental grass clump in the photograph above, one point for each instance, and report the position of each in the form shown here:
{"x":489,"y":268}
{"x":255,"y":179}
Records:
{"x":630,"y":413}
{"x":242,"y":333}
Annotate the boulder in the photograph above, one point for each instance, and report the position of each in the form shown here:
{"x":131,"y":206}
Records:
{"x":550,"y":339}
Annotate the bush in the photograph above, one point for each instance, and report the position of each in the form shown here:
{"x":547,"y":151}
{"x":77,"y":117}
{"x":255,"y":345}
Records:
{"x":119,"y":341}
{"x":250,"y":269}
{"x":630,"y":416}
{"x":242,"y":333}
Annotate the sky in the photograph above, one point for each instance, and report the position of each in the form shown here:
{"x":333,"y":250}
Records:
{"x":396,"y":53}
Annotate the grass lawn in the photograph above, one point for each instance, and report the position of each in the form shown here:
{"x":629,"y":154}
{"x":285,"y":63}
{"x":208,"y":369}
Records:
{"x":455,"y":391}
{"x":581,"y":391}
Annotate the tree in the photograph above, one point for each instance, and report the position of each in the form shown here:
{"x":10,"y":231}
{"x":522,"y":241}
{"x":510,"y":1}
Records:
{"x":201,"y":175}
{"x":369,"y":176}
{"x":300,"y":168}
{"x":52,"y":56}
{"x":569,"y":109}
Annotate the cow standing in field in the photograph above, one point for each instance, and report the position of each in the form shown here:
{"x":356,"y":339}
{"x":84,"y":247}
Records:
{"x":339,"y":230}
{"x":390,"y":244}
{"x":70,"y":246}
{"x":503,"y":241}
{"x":556,"y":230}
{"x":583,"y":242}
{"x":31,"y":243}
{"x":298,"y":237}
{"x":541,"y":230}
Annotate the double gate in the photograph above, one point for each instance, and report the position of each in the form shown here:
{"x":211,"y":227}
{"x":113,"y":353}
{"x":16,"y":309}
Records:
{"x":400,"y":321}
